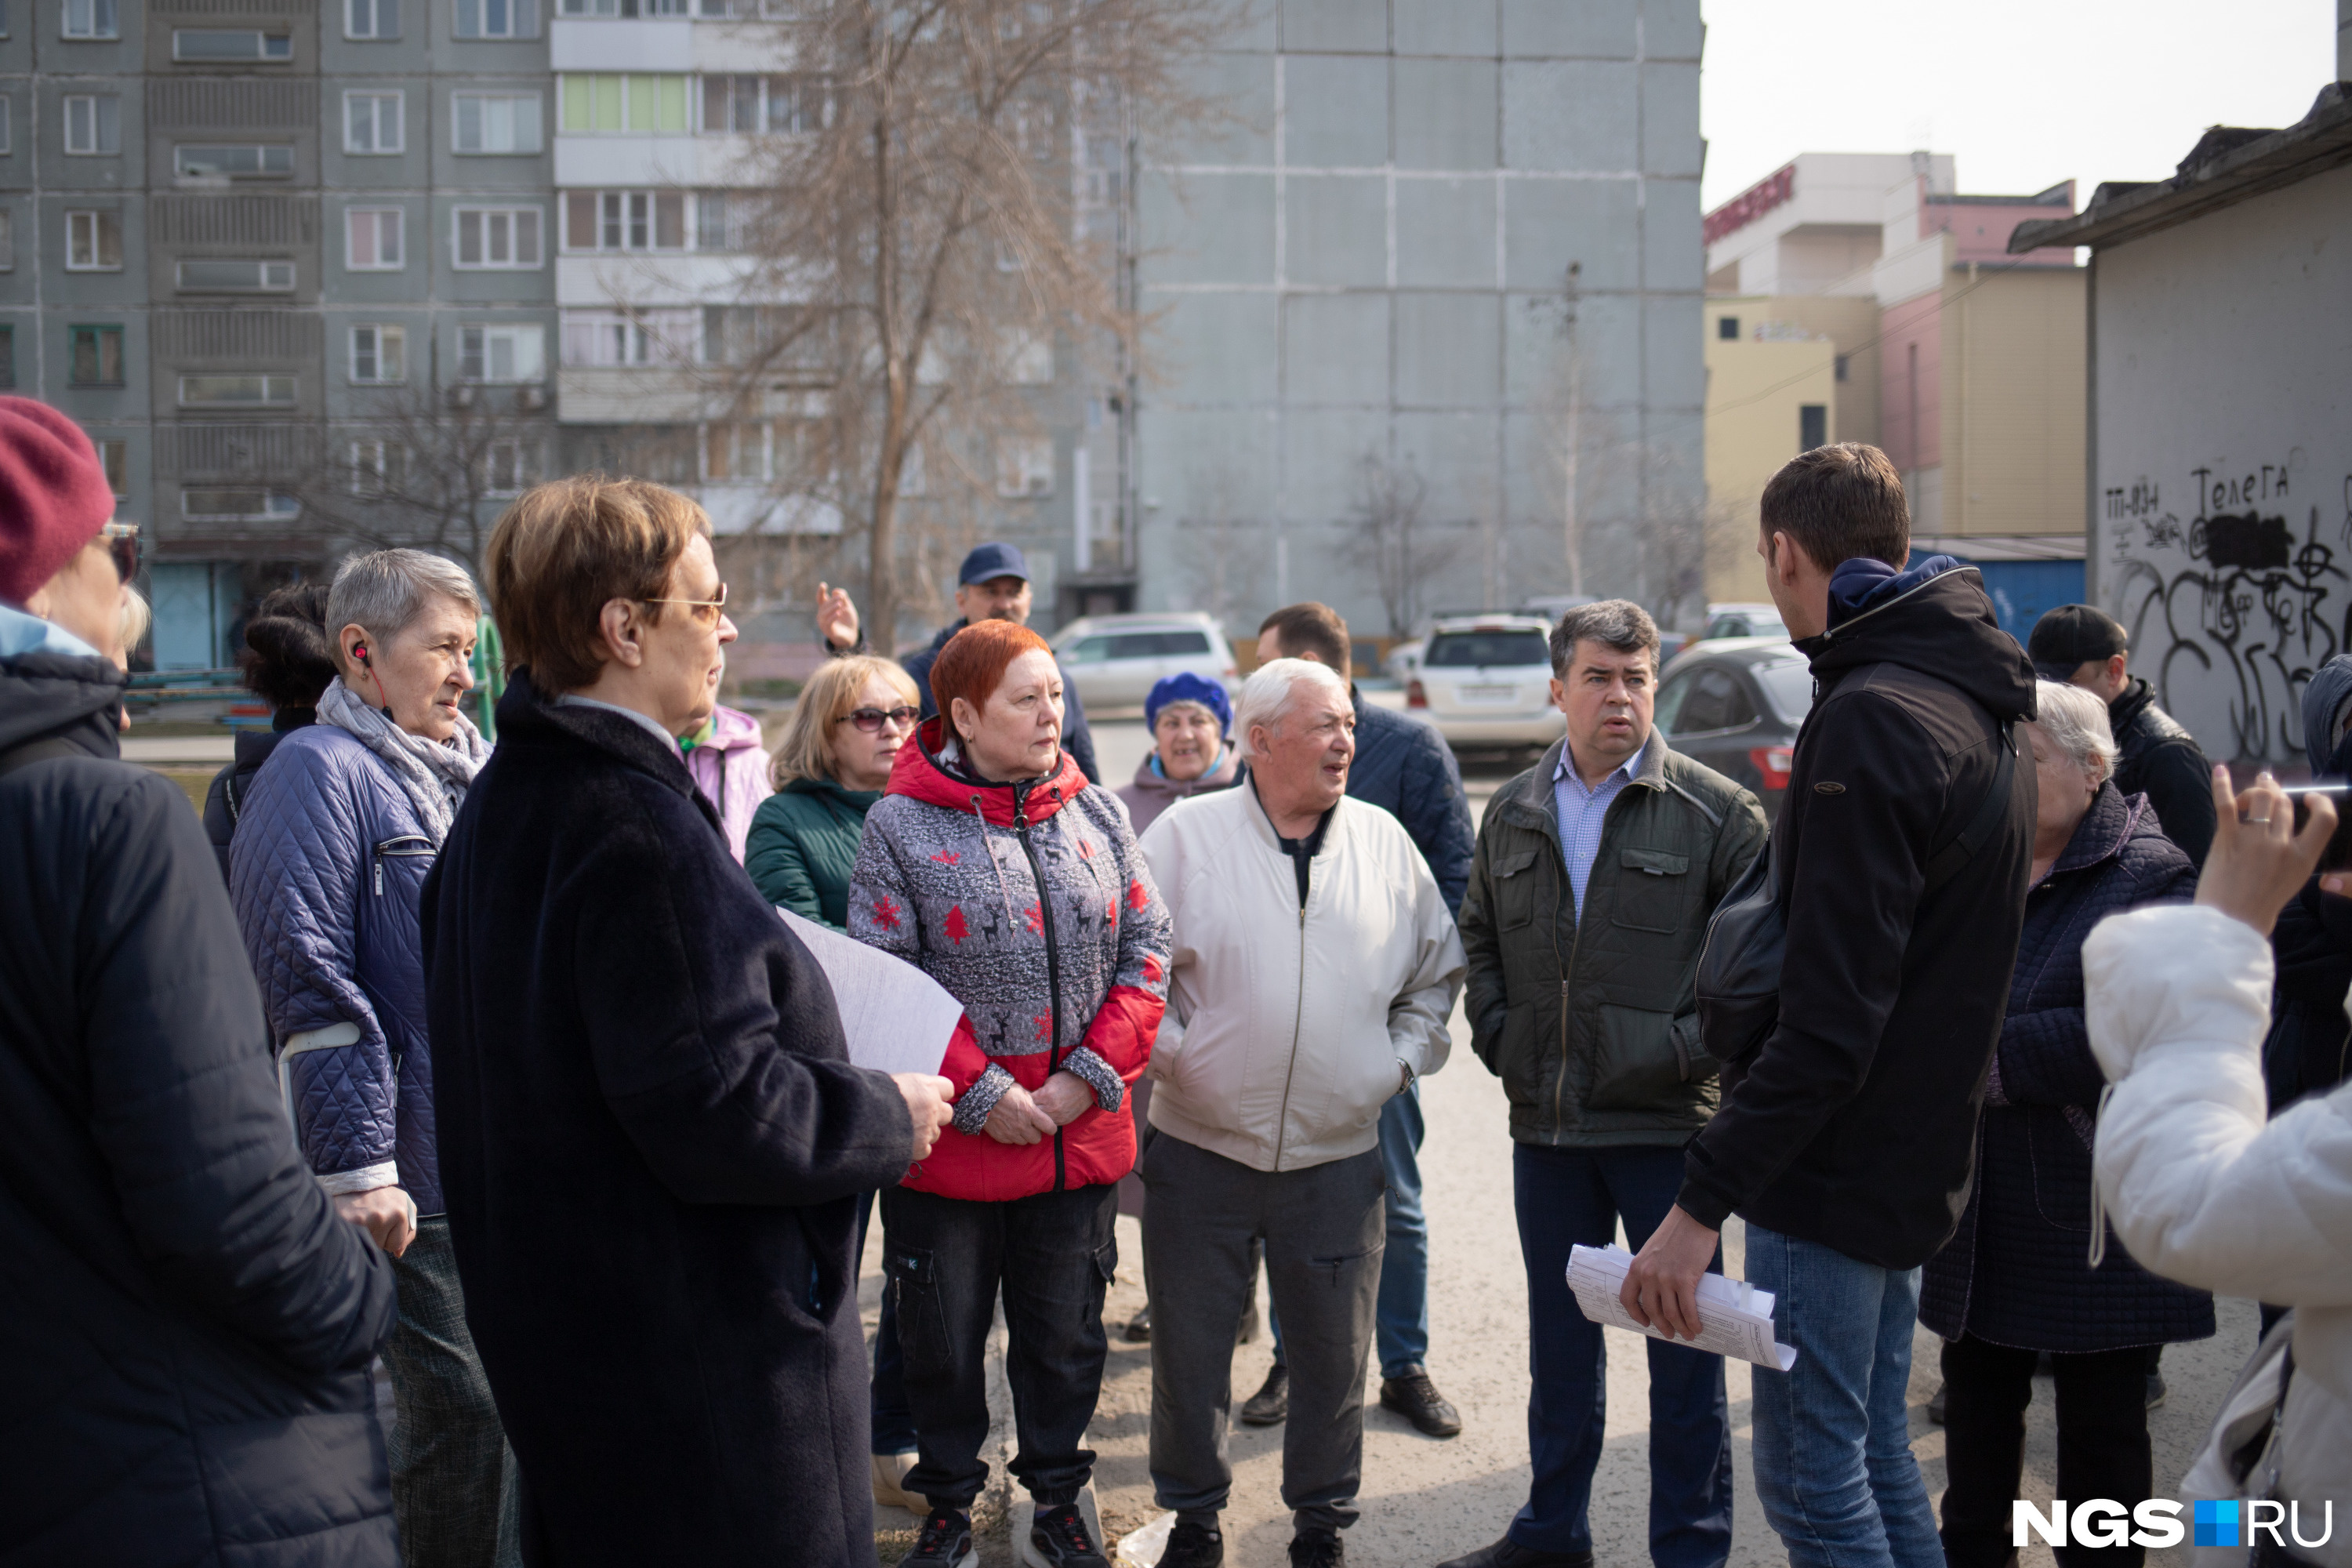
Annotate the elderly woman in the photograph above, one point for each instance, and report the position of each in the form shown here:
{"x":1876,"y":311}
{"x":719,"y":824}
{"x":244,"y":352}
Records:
{"x":2015,"y":1280}
{"x":655,"y":1142}
{"x":1017,"y":886}
{"x":1189,"y":719}
{"x":327,"y":869}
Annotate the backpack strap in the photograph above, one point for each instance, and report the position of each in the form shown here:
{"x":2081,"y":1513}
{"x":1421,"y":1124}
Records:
{"x":1946,"y":863}
{"x":45,"y":748}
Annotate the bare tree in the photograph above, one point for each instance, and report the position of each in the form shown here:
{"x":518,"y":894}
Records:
{"x":1222,"y":545}
{"x":1400,"y":549}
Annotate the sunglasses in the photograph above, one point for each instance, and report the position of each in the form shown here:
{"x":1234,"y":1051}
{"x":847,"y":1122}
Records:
{"x":122,"y":548}
{"x":715,"y":607}
{"x":871,"y":720}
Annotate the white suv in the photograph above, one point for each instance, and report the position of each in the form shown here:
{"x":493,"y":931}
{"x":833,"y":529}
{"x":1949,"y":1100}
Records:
{"x":1486,"y":680}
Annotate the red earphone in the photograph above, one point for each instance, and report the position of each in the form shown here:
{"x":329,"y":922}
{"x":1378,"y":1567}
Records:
{"x":359,"y":651}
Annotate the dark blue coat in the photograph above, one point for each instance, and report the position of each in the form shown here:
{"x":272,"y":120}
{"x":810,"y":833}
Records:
{"x":326,"y":869}
{"x":2017,"y":1272}
{"x":1076,"y":739}
{"x":1406,"y":769}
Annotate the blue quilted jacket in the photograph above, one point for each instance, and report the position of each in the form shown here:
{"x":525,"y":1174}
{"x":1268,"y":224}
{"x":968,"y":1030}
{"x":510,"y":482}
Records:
{"x":326,"y":871}
{"x":1404,"y":767}
{"x":2017,"y":1272}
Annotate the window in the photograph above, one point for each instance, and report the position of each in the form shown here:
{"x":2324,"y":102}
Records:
{"x":372,"y":240}
{"x":8,"y":241}
{"x":222,"y":505}
{"x":1024,"y":467}
{"x":372,"y":122}
{"x":724,"y":220}
{"x":97,"y":355}
{"x":237,"y":391}
{"x":6,"y":118}
{"x":496,"y":122}
{"x":94,"y":124}
{"x":1812,"y":425}
{"x":786,"y":105}
{"x":1028,"y":358}
{"x":371,"y":18}
{"x":625,"y":220}
{"x":222,"y":275}
{"x":90,"y":19}
{"x":613,"y":102}
{"x":606,"y":338}
{"x":736,"y":451}
{"x":208,"y":43}
{"x":506,"y":468}
{"x":502,"y":353}
{"x":498,"y":18}
{"x":378,"y":355}
{"x":377,"y":467}
{"x":624,"y":8}
{"x":7,"y":356}
{"x":93,"y":242}
{"x":504,"y":238}
{"x":114,"y":458}
{"x":1703,"y":701}
{"x":239,"y":162}
{"x":1727,"y":329}
{"x":1840,"y":368}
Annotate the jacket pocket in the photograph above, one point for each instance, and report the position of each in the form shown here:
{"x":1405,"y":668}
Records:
{"x":1514,"y":891}
{"x":1635,"y":1064}
{"x":1653,"y":891}
{"x":1690,"y":1051}
{"x":922,"y":1317}
{"x":1518,"y":1055}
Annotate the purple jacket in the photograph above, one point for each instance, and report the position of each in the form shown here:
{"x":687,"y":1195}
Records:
{"x":731,"y":771}
{"x":326,"y":871}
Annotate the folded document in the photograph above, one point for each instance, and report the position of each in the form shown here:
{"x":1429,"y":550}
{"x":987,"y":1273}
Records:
{"x":1734,"y":1318}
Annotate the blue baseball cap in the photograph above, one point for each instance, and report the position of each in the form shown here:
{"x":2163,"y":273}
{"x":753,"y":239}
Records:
{"x":991,"y":561}
{"x":1189,"y":689}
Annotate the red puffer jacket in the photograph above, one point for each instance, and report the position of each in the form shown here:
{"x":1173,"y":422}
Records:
{"x":1031,"y":904}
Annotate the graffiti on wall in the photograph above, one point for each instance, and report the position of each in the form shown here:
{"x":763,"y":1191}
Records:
{"x":2230,"y":638}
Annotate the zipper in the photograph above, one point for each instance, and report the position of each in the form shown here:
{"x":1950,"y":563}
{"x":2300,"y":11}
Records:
{"x":1053,"y":959}
{"x":1567,"y":981}
{"x":1298,"y":1020}
{"x":400,"y":848}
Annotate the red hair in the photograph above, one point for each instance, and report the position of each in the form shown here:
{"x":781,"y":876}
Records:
{"x":974,"y":664}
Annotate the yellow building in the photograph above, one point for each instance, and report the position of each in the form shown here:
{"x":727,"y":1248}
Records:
{"x":1771,"y":393}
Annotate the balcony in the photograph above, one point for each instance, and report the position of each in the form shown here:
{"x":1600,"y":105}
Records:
{"x":648,"y":279}
{"x":616,"y":159}
{"x":668,"y":44}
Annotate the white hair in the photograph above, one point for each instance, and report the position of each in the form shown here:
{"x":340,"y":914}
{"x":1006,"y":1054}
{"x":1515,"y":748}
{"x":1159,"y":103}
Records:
{"x":2078,"y":722}
{"x":1271,"y":690}
{"x":386,"y":590}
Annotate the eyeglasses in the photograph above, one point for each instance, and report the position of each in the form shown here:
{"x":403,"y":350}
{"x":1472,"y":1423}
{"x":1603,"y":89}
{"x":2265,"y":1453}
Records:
{"x":716,"y":607}
{"x":122,"y":548}
{"x":871,"y":720}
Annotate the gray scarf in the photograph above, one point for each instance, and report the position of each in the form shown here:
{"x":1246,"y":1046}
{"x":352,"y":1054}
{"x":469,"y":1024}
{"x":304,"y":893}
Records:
{"x":434,"y":774}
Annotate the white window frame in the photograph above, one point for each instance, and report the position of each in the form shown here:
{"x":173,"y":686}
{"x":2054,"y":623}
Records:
{"x":276,"y":505}
{"x":619,"y":217}
{"x":271,"y":275}
{"x":100,"y":19}
{"x":381,"y":347}
{"x":114,"y":461}
{"x":628,"y":81}
{"x":517,"y":116}
{"x":375,"y":101}
{"x":486,"y":221}
{"x":378,"y":13}
{"x":521,"y":18}
{"x":733,"y":431}
{"x":376,"y":225}
{"x":279,"y":389}
{"x":513,"y":455}
{"x":88,"y":227}
{"x":485,"y":335}
{"x":616,"y":339}
{"x":373,"y":461}
{"x":96,"y":125}
{"x":180,"y":149}
{"x":261,"y":35}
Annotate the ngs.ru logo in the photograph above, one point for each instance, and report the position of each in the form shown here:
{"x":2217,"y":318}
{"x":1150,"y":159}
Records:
{"x":2156,"y":1522}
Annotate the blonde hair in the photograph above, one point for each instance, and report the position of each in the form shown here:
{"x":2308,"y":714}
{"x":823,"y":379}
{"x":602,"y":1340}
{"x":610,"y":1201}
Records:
{"x":805,"y":750}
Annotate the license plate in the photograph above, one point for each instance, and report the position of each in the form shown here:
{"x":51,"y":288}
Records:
{"x":1487,"y":693}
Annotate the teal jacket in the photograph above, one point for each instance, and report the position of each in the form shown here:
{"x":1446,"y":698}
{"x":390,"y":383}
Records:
{"x":803,"y":842}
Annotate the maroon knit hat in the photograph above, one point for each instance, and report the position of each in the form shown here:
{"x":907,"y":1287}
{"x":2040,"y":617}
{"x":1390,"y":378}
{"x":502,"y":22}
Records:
{"x":53,"y":494}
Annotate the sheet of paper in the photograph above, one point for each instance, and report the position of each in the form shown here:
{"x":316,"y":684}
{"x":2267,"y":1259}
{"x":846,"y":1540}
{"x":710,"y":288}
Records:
{"x":896,"y":1017}
{"x":1734,"y":1318}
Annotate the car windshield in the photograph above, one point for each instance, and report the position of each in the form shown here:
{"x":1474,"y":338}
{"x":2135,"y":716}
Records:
{"x":1473,"y":650}
{"x":1746,"y":624}
{"x":1136,"y":645}
{"x":1788,"y":687}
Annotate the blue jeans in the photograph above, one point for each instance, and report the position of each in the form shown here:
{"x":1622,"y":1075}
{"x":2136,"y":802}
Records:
{"x":1833,"y":1464}
{"x":1401,"y":1317}
{"x":1572,"y":1197}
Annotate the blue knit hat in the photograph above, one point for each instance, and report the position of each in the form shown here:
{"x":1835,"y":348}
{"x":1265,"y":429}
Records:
{"x":1189,"y":689}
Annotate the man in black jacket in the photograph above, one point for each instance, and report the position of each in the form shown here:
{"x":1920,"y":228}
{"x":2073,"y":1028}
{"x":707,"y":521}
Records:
{"x":1846,"y":1138}
{"x":189,"y":1325}
{"x":2084,"y":645}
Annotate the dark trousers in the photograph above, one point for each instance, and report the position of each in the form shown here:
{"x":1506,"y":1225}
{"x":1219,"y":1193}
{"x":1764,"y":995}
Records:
{"x":1051,"y":1255}
{"x":1574,"y":1197}
{"x":1322,"y":1230}
{"x":894,"y":1423}
{"x":2103,"y":1450}
{"x":452,"y":1480}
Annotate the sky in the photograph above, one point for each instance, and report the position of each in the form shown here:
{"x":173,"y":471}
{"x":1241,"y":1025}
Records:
{"x":2022,"y":93}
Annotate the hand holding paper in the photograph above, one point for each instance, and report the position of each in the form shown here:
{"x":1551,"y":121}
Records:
{"x":1734,"y":1318}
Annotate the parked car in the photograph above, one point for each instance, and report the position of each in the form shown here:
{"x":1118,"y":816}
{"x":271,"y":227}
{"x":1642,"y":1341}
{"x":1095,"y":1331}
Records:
{"x":1403,"y":662}
{"x":1743,"y":620}
{"x":1115,"y":661}
{"x":1735,"y":704}
{"x":1486,"y":681}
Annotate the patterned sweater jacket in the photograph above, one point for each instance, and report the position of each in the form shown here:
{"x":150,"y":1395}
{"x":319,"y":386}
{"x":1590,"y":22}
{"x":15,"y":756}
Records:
{"x":1030,"y":903}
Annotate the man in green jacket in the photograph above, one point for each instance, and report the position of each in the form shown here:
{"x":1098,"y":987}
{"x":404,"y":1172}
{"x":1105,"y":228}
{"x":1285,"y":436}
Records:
{"x":1596,"y":872}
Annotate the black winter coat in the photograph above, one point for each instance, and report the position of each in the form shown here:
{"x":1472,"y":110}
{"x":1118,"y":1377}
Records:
{"x":1854,"y":1124}
{"x":2017,"y":1272}
{"x":187,"y":1325}
{"x":225,"y":800}
{"x":1076,"y":739}
{"x":651,"y":1149}
{"x":2162,"y":761}
{"x":1404,"y":767}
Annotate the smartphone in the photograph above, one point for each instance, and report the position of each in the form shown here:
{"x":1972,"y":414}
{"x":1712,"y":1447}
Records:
{"x":2338,"y":856}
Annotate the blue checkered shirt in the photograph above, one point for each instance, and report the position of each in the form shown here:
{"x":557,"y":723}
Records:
{"x":1582,"y":812}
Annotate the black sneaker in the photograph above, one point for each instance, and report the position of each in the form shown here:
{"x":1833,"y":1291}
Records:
{"x":1191,"y":1545}
{"x":1317,"y":1549}
{"x":1415,"y":1398}
{"x":1270,"y":1406}
{"x":1060,"y":1536}
{"x":945,"y":1542}
{"x":1509,"y":1554}
{"x":2155,"y":1389}
{"x":1936,"y":1403}
{"x":1138,"y":1327}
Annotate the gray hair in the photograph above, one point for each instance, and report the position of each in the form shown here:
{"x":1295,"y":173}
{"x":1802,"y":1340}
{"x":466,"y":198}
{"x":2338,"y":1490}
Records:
{"x":2078,"y":722}
{"x":1618,"y":624}
{"x":386,"y":590}
{"x":1271,"y":690}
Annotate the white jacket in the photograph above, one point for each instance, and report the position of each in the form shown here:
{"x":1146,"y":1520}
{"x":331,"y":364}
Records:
{"x":1286,"y":1028}
{"x":2202,"y":1191}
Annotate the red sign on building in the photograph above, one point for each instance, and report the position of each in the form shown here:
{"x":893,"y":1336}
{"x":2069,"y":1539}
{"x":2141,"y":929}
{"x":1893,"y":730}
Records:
{"x":1751,"y":203}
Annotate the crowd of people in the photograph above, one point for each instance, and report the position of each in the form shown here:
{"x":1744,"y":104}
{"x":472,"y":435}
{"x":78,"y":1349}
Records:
{"x":496,"y":1063}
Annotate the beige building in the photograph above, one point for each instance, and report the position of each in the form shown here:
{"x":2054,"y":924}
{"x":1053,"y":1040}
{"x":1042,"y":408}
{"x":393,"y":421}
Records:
{"x":1767,"y":399}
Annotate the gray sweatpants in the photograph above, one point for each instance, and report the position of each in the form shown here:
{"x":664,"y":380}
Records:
{"x":1323,"y":1228}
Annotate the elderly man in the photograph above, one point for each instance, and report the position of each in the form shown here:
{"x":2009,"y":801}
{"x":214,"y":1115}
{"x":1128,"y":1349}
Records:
{"x":1596,"y":872}
{"x":1313,"y":970}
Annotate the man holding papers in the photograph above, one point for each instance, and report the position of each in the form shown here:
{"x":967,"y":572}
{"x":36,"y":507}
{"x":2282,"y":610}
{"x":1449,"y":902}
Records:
{"x":1596,"y":872}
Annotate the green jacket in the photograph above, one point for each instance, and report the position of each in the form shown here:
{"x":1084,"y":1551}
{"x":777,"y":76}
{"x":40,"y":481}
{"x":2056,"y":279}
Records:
{"x":1594,"y":1029}
{"x":803,"y":842}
